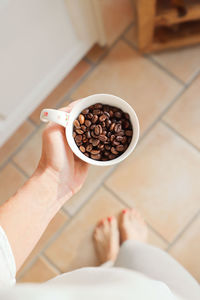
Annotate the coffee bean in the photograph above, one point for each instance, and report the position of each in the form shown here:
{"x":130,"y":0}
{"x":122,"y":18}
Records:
{"x":78,"y":138}
{"x":98,"y":130}
{"x":85,"y":111}
{"x":103,"y":118}
{"x":94,"y":142}
{"x":118,"y":114}
{"x":74,"y":134}
{"x":112,"y":127}
{"x":106,"y":108}
{"x":96,"y":112}
{"x":111,"y":113}
{"x":113,"y":150}
{"x":119,"y":138}
{"x":94,"y":135}
{"x":89,"y":116}
{"x":96,"y":157}
{"x":120,"y":148}
{"x":109,"y":134}
{"x":117,"y":128}
{"x":95,"y":119}
{"x":112,"y":156}
{"x":125,"y":124}
{"x":115,"y":143}
{"x":76,"y":124}
{"x":112,"y":137}
{"x":83,"y":127}
{"x":88,"y":134}
{"x":95,"y":152}
{"x":126,"y":116}
{"x":107,"y":147}
{"x":86,"y":154}
{"x":79,"y":131}
{"x":82,"y":148}
{"x":103,"y":138}
{"x":124,"y":139}
{"x":87,"y":123}
{"x":108,"y":122}
{"x":100,"y":146}
{"x":103,"y":124}
{"x":89,"y":148}
{"x":106,"y":153}
{"x":98,"y":106}
{"x":120,"y":133}
{"x":128,"y":132}
{"x":107,"y":114}
{"x":81,"y":119}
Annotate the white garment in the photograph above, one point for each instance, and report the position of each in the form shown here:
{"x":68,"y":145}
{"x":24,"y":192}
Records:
{"x":86,"y":283}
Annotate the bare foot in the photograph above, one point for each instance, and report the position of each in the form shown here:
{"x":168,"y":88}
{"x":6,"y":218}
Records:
{"x":106,"y":239}
{"x":132,"y":226}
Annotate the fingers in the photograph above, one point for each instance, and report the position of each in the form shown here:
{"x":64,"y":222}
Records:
{"x":69,"y":107}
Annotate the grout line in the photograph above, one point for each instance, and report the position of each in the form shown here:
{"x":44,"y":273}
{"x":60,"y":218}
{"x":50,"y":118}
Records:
{"x":87,"y":60}
{"x":19,"y":169}
{"x":127,"y":205}
{"x":27,"y":267}
{"x":181,"y":233}
{"x":49,"y":262}
{"x":31,"y":121}
{"x":177,"y":133}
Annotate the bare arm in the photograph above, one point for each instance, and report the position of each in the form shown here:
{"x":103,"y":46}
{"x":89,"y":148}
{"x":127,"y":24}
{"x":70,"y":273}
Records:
{"x":59,"y":175}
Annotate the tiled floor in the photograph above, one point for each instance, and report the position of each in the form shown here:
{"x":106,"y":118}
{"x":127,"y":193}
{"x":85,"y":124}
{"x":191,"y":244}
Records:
{"x":161,"y":177}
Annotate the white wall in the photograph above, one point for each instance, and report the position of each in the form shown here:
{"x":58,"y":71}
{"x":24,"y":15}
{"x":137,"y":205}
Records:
{"x":40,"y":42}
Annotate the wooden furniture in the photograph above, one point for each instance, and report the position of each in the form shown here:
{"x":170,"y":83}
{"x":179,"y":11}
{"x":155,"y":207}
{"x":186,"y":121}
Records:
{"x":162,"y":25}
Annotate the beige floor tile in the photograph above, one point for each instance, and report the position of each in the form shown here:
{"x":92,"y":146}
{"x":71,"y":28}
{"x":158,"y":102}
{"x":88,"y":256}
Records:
{"x":117,"y":15}
{"x":39,"y":272}
{"x":183,"y":63}
{"x":74,"y":247}
{"x":95,"y":53}
{"x":28,"y":157}
{"x":61,"y":90}
{"x":15,"y":140}
{"x":184,"y":115}
{"x":11,"y":180}
{"x":94,"y":178}
{"x":129,"y":75}
{"x":186,"y":250}
{"x":161,"y":178}
{"x":155,"y":240}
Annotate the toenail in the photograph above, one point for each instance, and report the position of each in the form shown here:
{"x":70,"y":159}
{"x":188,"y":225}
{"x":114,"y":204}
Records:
{"x":124,"y":211}
{"x":109,"y":219}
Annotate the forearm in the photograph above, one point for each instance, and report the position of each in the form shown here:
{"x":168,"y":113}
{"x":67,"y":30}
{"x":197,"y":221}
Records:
{"x":25,"y":216}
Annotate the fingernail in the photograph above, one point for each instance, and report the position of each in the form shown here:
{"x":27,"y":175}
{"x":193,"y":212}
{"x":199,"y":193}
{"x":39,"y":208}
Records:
{"x":109,"y":219}
{"x":124,"y":211}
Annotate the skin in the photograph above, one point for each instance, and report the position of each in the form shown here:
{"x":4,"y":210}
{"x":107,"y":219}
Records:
{"x":59,"y":175}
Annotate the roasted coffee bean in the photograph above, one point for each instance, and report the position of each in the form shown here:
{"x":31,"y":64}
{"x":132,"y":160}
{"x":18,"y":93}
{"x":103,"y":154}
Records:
{"x":112,"y":127}
{"x":79,"y":131}
{"x":102,"y":132}
{"x":88,"y":123}
{"x":125,"y":124}
{"x":89,"y":148}
{"x":128,"y":132}
{"x":82,"y":148}
{"x":78,"y":138}
{"x":126,"y":116}
{"x":81,"y":119}
{"x":119,"y":138}
{"x":95,"y":152}
{"x":107,"y":147}
{"x":98,"y":130}
{"x":88,"y":134}
{"x":103,"y":118}
{"x":85,"y":111}
{"x":89,"y":116}
{"x":96,"y":112}
{"x":113,"y":150}
{"x":94,"y":142}
{"x":118,"y":128}
{"x":112,"y":156}
{"x":76,"y":124}
{"x":120,"y":148}
{"x":98,"y":106}
{"x":96,"y":157}
{"x":83,"y":127}
{"x":100,"y":146}
{"x":95,"y":119}
{"x":102,"y":138}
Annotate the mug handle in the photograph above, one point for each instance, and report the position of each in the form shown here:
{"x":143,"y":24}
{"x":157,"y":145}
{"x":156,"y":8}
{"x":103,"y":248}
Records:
{"x":57,"y":116}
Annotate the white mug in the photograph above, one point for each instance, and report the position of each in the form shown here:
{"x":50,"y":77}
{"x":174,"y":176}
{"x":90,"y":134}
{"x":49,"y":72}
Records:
{"x":67,"y":119}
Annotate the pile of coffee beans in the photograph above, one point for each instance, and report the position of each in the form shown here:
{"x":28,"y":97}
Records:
{"x":102,"y":132}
